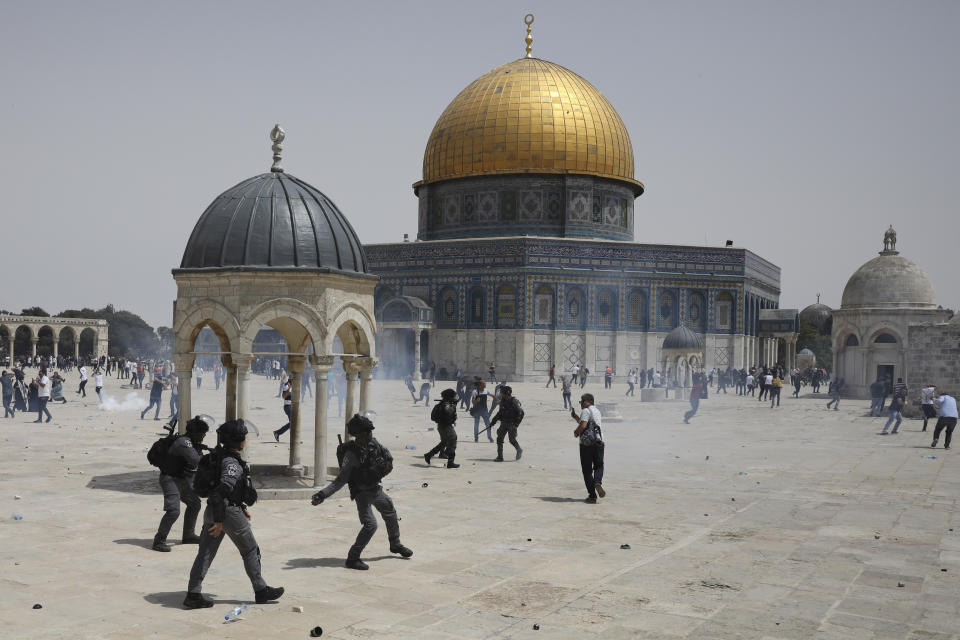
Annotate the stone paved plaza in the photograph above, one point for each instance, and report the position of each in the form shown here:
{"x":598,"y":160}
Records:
{"x":795,"y":522}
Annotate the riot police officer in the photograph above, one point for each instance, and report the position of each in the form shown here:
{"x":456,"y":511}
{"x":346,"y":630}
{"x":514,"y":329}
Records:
{"x":509,"y":416}
{"x":445,"y":415}
{"x":176,"y":482}
{"x":364,"y":462}
{"x":227,"y":512}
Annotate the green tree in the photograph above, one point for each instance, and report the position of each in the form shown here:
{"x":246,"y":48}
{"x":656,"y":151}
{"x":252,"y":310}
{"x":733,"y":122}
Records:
{"x":34,"y":311}
{"x":822,"y":346}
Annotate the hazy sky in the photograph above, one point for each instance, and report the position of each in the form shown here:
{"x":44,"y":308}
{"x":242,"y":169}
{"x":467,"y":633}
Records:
{"x":800,"y":130}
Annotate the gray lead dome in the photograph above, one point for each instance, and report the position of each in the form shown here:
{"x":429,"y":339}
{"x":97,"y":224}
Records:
{"x":682,"y":338}
{"x":274,"y":221}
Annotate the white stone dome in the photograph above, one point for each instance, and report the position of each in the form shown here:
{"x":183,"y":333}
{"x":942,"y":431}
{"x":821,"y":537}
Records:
{"x":889,"y":281}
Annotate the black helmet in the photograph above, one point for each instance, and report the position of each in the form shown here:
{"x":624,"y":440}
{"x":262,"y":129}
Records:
{"x":197,"y":426}
{"x":358,"y":424}
{"x":232,"y":433}
{"x":507,"y":390}
{"x":448,"y":394}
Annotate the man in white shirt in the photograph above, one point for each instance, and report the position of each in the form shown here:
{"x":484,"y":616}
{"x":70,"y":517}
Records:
{"x":287,"y":395}
{"x":926,"y":404}
{"x":43,"y":396}
{"x":83,"y":380}
{"x":591,"y":446}
{"x":750,"y":384}
{"x":98,"y":383}
{"x":947,"y":420}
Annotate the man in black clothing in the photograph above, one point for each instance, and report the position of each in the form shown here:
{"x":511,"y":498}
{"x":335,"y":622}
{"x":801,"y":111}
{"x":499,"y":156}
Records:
{"x":227,"y":512}
{"x":364,"y":463}
{"x":509,"y":416}
{"x":445,"y":415}
{"x":176,"y":482}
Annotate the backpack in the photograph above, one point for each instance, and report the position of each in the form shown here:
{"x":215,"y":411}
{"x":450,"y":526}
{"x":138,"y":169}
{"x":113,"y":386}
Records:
{"x":159,"y":454}
{"x":374,"y":466}
{"x":591,"y":436}
{"x":207,"y":476}
{"x":444,"y":414}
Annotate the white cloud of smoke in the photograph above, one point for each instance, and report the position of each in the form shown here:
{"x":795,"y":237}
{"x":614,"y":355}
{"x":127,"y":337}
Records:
{"x":130,"y":402}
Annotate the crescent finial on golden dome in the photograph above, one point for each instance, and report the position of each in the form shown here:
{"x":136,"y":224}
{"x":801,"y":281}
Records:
{"x":528,"y":20}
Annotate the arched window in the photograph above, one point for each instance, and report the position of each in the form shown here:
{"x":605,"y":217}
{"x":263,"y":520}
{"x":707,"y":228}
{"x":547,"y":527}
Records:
{"x":478,"y":304}
{"x":851,"y":341}
{"x":606,"y":309}
{"x":885,"y":338}
{"x":724,"y":312}
{"x":667,"y":310}
{"x":576,"y":308}
{"x":506,"y":306}
{"x":447,"y":308}
{"x":637,"y":310}
{"x":696,"y":311}
{"x":543,"y":305}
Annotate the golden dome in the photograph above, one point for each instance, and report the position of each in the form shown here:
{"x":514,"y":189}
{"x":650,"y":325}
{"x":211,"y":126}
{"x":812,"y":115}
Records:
{"x":529,"y":116}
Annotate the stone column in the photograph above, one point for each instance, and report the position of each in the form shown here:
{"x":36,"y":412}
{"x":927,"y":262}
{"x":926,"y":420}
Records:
{"x":296,"y":365}
{"x":231,"y":391}
{"x":241,"y":364}
{"x":416,"y":356}
{"x":321,"y":367}
{"x":365,"y":366}
{"x":76,"y":346}
{"x":183,"y":363}
{"x":33,"y":347}
{"x":10,"y":337}
{"x":350,"y":369}
{"x":56,"y":345}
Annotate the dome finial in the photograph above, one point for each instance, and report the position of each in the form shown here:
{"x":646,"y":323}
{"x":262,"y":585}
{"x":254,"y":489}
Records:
{"x":277,"y":136}
{"x":889,"y":243}
{"x":818,"y":298}
{"x":528,"y":20}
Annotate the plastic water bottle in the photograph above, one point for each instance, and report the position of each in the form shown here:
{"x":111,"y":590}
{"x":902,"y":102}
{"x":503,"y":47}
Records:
{"x":930,"y":457}
{"x":235,"y":613}
{"x":17,"y":516}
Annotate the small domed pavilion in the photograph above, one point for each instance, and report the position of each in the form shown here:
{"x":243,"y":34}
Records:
{"x":274,"y":251}
{"x":881,"y":300}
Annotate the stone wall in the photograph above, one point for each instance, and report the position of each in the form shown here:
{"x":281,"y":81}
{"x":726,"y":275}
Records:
{"x":934,"y":357}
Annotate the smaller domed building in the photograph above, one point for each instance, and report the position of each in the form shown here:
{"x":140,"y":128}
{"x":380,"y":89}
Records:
{"x":819,"y":315}
{"x":882,"y":300}
{"x":273,"y":251}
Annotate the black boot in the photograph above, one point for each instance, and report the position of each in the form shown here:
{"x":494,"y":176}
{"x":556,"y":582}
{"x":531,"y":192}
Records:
{"x":159,"y":544}
{"x":190,"y":538}
{"x":268,"y":594}
{"x":451,"y":464}
{"x":356,"y":563}
{"x":402,"y":550}
{"x":499,"y":457}
{"x":196,"y":601}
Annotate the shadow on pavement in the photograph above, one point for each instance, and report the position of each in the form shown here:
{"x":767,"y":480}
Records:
{"x":556,"y":499}
{"x":142,"y":482}
{"x":313,"y":563}
{"x":146,"y":543}
{"x":174,"y":599}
